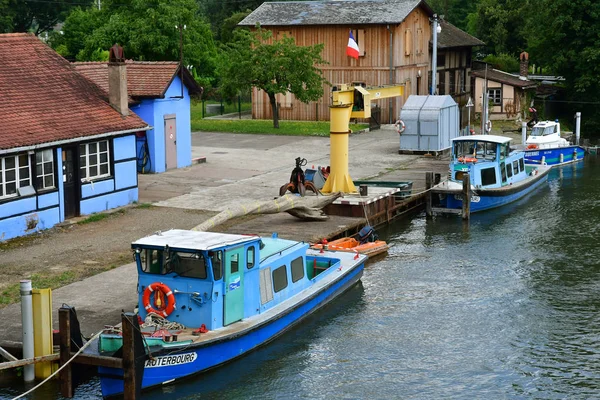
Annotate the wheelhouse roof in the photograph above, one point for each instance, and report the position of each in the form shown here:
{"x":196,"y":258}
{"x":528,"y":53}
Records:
{"x":192,"y":240}
{"x":483,"y":138}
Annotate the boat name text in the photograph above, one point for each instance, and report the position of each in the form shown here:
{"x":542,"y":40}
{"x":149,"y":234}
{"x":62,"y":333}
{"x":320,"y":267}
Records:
{"x":166,"y":361}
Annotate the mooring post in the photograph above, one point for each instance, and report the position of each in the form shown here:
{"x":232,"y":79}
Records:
{"x":466,"y":195}
{"x":134,"y":357}
{"x":64,"y":324}
{"x":27,"y":324}
{"x":428,"y":186}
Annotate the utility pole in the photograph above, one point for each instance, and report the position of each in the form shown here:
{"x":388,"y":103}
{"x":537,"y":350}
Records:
{"x":181,"y":28}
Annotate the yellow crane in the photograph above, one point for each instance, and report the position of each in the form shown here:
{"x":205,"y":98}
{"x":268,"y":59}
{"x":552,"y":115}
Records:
{"x":349,"y":101}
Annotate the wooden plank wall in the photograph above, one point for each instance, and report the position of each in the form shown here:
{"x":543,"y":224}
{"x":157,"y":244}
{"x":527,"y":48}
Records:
{"x":410,"y":55}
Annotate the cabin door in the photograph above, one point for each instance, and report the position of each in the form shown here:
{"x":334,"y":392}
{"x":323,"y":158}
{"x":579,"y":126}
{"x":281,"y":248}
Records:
{"x":234,"y":285}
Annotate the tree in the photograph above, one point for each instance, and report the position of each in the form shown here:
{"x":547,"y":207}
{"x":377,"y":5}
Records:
{"x":40,"y":16}
{"x":147,"y":30}
{"x":275,"y":66}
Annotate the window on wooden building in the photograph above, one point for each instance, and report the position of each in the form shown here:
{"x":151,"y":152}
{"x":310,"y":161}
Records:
{"x":14,"y":174}
{"x":44,"y":169}
{"x":452,"y":83}
{"x":359,"y":37}
{"x":282,"y":34}
{"x":94,"y":160}
{"x":495,"y":96}
{"x":407,"y":42}
{"x":285,"y":100}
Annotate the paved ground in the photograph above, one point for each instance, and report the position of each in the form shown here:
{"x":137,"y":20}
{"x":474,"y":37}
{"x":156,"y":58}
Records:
{"x":239,"y":168}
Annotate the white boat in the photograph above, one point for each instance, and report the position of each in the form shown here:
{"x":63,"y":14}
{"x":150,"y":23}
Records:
{"x":546,"y":146}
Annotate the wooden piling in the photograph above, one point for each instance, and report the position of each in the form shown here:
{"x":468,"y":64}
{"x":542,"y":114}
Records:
{"x":466,"y":196}
{"x":134,"y":357}
{"x":65,"y":375}
{"x":428,"y":186}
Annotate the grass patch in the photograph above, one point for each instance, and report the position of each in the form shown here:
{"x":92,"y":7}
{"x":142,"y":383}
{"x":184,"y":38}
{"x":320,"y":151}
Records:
{"x":93,"y":218}
{"x":144,"y":205}
{"x":228,"y":108}
{"x":11,"y":294}
{"x":265,"y":127}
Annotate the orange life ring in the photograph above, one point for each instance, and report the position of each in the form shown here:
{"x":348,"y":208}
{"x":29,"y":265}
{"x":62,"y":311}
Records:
{"x":532,"y":146}
{"x":467,"y":160}
{"x":165,"y":291}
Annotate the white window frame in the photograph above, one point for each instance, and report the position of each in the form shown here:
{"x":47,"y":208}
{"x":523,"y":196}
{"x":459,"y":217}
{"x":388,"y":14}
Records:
{"x":84,"y":152}
{"x":17,"y":181}
{"x":46,"y":157}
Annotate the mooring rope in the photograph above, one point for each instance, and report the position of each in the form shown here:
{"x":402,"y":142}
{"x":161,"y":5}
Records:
{"x":62,"y":366}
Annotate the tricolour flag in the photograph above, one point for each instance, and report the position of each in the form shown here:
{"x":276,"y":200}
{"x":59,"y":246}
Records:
{"x":352,"y":49}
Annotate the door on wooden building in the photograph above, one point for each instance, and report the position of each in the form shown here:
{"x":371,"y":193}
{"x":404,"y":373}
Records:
{"x":70,"y":181}
{"x":170,"y":141}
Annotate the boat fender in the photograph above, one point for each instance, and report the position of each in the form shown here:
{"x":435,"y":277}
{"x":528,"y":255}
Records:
{"x":488,"y":126}
{"x":164,"y":292}
{"x":532,"y":146}
{"x":400,"y":126}
{"x":467,"y":159}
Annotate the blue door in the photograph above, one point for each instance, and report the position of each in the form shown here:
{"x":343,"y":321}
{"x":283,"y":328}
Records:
{"x":234,"y":285}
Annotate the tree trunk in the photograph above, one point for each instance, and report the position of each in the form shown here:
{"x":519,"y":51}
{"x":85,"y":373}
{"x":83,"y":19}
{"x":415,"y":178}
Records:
{"x":275,"y":110}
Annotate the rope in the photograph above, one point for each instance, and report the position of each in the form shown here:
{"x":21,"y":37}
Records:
{"x":64,"y":365}
{"x":157,"y":321}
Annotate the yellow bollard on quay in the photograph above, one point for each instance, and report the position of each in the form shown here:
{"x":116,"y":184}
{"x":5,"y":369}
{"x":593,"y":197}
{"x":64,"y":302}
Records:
{"x":42,"y":328}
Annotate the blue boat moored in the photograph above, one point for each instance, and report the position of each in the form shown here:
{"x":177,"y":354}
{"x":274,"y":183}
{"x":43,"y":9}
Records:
{"x":208,"y":298}
{"x":498,"y":175}
{"x":545,"y":146}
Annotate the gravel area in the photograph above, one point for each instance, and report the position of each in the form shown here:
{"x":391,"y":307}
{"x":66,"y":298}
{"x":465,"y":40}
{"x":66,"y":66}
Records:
{"x":88,"y":248}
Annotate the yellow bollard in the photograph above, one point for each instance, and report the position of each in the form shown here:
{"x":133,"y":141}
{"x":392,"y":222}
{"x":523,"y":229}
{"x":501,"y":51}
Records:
{"x":42,"y":328}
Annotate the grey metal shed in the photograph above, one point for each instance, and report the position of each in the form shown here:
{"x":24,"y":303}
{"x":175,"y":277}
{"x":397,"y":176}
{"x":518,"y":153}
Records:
{"x":431,"y":123}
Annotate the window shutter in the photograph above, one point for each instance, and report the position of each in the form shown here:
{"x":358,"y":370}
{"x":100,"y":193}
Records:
{"x":407,"y":42}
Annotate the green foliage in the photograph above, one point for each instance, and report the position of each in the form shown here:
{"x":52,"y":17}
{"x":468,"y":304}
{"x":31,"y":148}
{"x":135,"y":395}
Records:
{"x":504,"y":62}
{"x":34,"y":15}
{"x":230,"y":24}
{"x":288,"y":128}
{"x":454,"y":11}
{"x":254,"y":59}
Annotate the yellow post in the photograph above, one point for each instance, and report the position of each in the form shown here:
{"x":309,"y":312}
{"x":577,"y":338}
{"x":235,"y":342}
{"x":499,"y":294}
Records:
{"x":42,"y":328}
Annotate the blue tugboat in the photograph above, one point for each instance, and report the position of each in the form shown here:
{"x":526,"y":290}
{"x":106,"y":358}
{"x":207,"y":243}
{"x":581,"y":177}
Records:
{"x":498,"y":175}
{"x":545,"y":146}
{"x":207,"y":298}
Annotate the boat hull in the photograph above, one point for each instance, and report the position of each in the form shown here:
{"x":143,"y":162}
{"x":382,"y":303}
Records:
{"x":481,"y":200}
{"x":553,"y":156}
{"x":193,"y":359}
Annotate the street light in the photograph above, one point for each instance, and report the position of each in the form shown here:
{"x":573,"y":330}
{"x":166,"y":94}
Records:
{"x":436,"y":29}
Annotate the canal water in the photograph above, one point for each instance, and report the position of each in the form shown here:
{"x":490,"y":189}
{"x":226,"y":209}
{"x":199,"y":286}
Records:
{"x":506,"y":307}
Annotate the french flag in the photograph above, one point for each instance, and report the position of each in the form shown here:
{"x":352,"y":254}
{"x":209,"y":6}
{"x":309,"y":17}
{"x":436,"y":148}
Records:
{"x":352,"y":49}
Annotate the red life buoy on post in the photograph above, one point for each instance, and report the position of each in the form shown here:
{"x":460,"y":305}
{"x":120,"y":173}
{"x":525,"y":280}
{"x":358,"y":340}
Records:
{"x":164,"y":311}
{"x":400,"y":127}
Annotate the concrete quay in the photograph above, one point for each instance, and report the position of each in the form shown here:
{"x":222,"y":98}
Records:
{"x":238,"y":169}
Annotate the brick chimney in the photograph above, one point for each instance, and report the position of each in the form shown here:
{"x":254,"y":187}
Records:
{"x":524,"y":67}
{"x":117,"y":80}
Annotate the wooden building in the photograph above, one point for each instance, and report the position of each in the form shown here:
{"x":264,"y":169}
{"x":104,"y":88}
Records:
{"x":394,"y":39}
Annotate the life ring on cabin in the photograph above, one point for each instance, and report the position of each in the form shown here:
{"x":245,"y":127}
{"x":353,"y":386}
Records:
{"x":164,"y":291}
{"x":532,"y":146}
{"x":467,"y":159}
{"x":400,"y":126}
{"x":488,"y":126}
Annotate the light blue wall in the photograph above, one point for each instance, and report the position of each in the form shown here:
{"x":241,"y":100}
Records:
{"x":153,"y":112}
{"x":108,"y":201}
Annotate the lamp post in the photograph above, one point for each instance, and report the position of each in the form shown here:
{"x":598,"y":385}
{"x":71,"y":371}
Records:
{"x":181,"y":28}
{"x":436,"y":29}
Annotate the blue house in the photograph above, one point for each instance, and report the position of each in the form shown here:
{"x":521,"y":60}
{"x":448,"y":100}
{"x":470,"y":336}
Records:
{"x":64,"y":150}
{"x":159,"y":93}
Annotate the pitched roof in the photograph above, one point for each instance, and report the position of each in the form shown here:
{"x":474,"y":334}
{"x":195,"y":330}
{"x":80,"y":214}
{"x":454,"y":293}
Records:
{"x":44,"y":100}
{"x":503,"y":77}
{"x":147,"y":79}
{"x":338,"y":12}
{"x":451,"y":36}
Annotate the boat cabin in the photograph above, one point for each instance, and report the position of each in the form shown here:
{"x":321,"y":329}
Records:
{"x":488,"y":159}
{"x":545,"y":135}
{"x":215,"y":279}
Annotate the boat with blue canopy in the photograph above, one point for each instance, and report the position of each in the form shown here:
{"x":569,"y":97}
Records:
{"x":498,"y":175}
{"x":208,"y":298}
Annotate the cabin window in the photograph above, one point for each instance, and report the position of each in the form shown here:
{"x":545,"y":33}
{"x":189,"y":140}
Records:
{"x":297,"y":269}
{"x":488,"y":176}
{"x":495,"y":96}
{"x":509,"y":171}
{"x":522,"y":164}
{"x":503,"y":172}
{"x":266,"y":286}
{"x":250,"y":257}
{"x":235,"y":262}
{"x":504,"y":150}
{"x":152,"y":261}
{"x":189,"y":265}
{"x":216,"y":259}
{"x":516,"y":166}
{"x":280,"y":281}
{"x":94,"y":160}
{"x":44,"y":169}
{"x":490,"y":151}
{"x":14,"y":174}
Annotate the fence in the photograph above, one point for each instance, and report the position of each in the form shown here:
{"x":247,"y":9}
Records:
{"x":213,"y":104}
